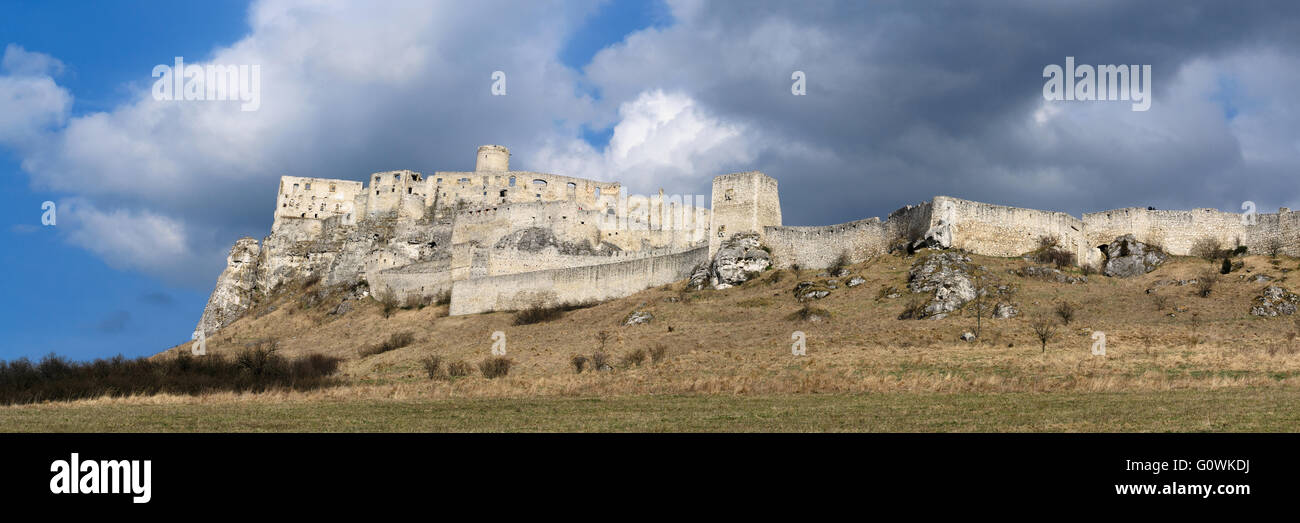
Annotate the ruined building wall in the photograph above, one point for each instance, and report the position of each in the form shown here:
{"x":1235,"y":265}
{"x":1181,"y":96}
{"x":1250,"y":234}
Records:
{"x":314,"y":198}
{"x":998,"y":230}
{"x":818,"y":247}
{"x":742,"y":202}
{"x":1178,"y":231}
{"x":575,"y":284}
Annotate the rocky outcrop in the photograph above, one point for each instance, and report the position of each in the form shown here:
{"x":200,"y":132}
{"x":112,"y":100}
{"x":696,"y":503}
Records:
{"x":809,"y":290}
{"x":234,"y":292}
{"x":1049,"y":274}
{"x":948,"y":277}
{"x":937,"y":237}
{"x":1275,"y":301}
{"x":1126,"y":257}
{"x":739,"y":258}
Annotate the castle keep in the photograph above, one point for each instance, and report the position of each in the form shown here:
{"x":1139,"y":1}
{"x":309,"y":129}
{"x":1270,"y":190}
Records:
{"x":496,"y":239}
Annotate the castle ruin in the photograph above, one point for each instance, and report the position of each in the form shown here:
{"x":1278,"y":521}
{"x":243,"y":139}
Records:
{"x":496,"y":239}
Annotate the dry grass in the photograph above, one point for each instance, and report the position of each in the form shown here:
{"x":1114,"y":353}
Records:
{"x":1210,"y":345}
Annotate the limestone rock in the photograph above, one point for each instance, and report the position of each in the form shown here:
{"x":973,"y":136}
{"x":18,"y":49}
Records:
{"x":1005,"y":310}
{"x":968,"y":336}
{"x":1126,"y":257}
{"x":1050,"y":274}
{"x":808,"y":290}
{"x":638,"y":318}
{"x":947,"y":277}
{"x":937,"y":237}
{"x":234,"y":292}
{"x":1275,"y":301}
{"x":739,"y":258}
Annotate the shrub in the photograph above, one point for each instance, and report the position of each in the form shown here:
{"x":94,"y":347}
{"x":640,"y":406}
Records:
{"x":1226,"y":266}
{"x":257,"y":368}
{"x":539,"y":313}
{"x":840,"y":263}
{"x":634,"y":358}
{"x":416,"y":301}
{"x":658,"y":353}
{"x":1065,"y":310}
{"x":1205,"y":284}
{"x":432,"y":366}
{"x":914,"y":309}
{"x":495,"y":367}
{"x":457,"y":369}
{"x":394,"y":342}
{"x":809,"y":313}
{"x":1049,"y":251}
{"x":388,"y":301}
{"x":1161,"y":301}
{"x":600,"y":361}
{"x":579,"y":362}
{"x":1208,"y":248}
{"x":443,"y":298}
{"x":1273,"y":247}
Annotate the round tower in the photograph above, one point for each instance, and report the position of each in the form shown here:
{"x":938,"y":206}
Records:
{"x":493,"y":158}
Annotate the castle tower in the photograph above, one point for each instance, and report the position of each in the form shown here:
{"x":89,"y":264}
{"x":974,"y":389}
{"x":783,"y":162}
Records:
{"x":742,"y":202}
{"x":492,"y":158}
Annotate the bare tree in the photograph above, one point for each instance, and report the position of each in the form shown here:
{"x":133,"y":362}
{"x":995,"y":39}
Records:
{"x":1045,"y":329}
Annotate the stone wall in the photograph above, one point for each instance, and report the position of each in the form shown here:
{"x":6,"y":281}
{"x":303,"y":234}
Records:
{"x":742,"y":202}
{"x":1177,"y":231}
{"x":998,"y":230}
{"x":571,"y":285}
{"x":818,"y":247}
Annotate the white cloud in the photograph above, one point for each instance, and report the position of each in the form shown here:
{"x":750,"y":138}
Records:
{"x":662,"y":140}
{"x":31,"y":103}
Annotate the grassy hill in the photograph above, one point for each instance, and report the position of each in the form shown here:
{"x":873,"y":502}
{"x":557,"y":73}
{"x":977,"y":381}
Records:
{"x":731,"y":349}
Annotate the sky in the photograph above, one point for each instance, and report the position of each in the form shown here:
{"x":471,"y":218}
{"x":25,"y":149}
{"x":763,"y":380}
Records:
{"x":902,"y":101}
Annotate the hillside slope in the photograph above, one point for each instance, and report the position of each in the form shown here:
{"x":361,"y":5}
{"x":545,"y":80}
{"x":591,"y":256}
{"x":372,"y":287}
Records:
{"x":739,"y":340}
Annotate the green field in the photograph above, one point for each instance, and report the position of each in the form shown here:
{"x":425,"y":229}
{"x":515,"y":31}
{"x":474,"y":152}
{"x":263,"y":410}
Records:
{"x":1198,"y":411}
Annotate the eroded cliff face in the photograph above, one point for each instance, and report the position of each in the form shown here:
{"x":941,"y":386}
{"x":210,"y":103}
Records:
{"x":337,"y":254}
{"x":235,"y":288}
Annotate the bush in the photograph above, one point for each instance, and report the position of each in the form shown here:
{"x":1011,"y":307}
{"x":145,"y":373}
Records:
{"x":840,"y":263}
{"x":495,"y":367}
{"x":388,"y":301}
{"x":539,"y":313}
{"x":914,"y":309}
{"x":579,"y":362}
{"x":658,"y":353}
{"x":433,"y":366}
{"x":1044,"y":329}
{"x":1065,"y":310}
{"x":394,"y":342}
{"x":1205,"y":284}
{"x":1049,"y":251}
{"x":1208,"y":248}
{"x":1273,"y":248}
{"x":416,"y":301}
{"x":443,"y":298}
{"x":634,"y":358}
{"x":457,"y":369}
{"x":809,"y":313}
{"x":600,"y":361}
{"x":1226,"y":266}
{"x":257,"y":368}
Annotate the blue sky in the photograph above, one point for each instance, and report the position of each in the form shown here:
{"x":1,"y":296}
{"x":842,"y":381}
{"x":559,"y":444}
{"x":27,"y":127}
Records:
{"x":66,"y":300}
{"x":905,"y":101}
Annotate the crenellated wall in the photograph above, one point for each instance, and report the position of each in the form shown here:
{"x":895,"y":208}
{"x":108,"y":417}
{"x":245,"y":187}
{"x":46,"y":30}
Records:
{"x":818,"y":247}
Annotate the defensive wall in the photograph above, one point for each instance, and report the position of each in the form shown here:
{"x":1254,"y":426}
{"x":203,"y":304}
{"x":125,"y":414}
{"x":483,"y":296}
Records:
{"x":571,"y":285}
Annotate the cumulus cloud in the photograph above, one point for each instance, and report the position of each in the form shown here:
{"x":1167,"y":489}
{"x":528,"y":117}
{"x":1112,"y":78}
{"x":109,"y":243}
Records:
{"x":902,"y":104}
{"x":31,"y":103}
